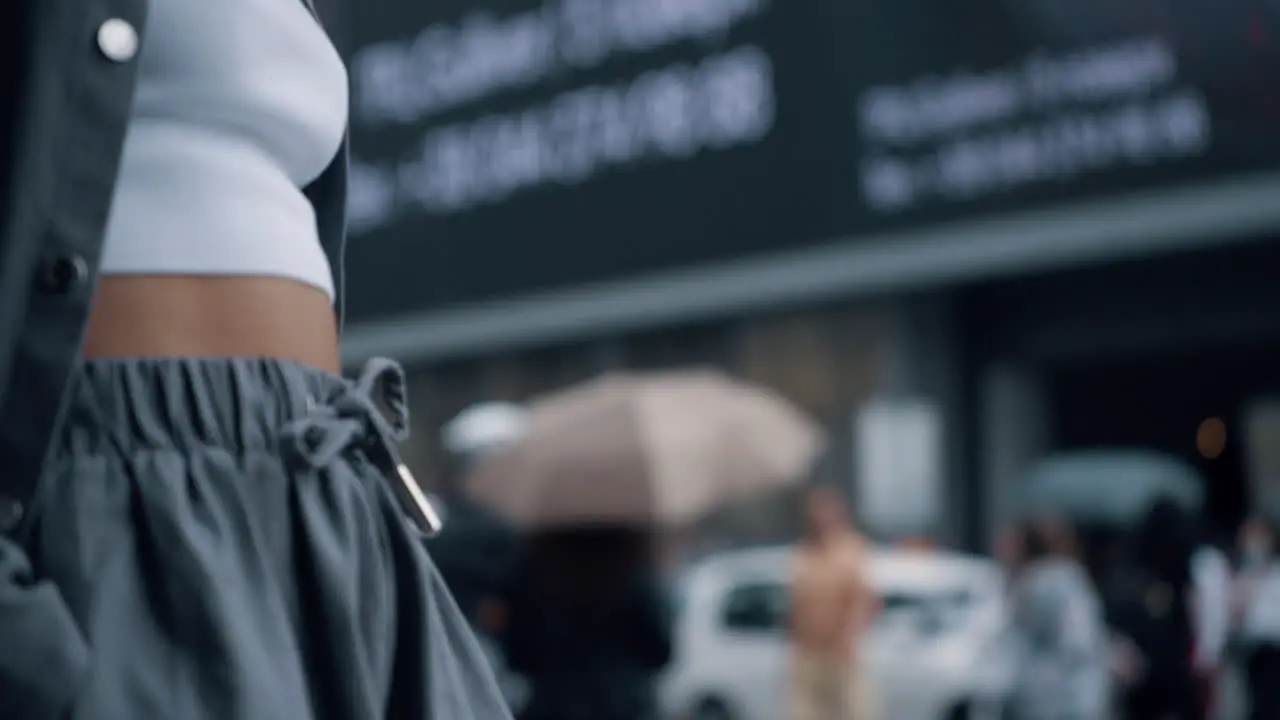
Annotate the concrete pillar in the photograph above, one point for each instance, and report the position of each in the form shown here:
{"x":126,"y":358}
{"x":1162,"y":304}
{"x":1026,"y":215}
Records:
{"x":920,"y":362}
{"x":1014,"y":419}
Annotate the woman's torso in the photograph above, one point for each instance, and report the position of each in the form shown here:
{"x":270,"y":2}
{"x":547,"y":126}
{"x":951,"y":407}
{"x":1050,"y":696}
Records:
{"x":212,"y":246}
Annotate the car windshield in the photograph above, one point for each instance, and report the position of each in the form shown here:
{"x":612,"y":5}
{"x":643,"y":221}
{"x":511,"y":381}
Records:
{"x":915,"y":600}
{"x":932,"y":610}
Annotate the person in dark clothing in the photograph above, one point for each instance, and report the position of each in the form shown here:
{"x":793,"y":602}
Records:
{"x":589,"y":625}
{"x":474,"y":553}
{"x":476,"y":548}
{"x":1262,"y":676}
{"x":1155,"y":613}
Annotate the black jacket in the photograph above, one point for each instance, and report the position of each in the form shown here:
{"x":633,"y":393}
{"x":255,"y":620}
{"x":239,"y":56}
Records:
{"x":596,"y":661}
{"x":68,"y":71}
{"x":475,"y":553}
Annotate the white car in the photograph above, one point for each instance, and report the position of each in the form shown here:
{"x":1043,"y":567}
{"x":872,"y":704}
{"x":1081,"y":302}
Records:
{"x":938,"y":650}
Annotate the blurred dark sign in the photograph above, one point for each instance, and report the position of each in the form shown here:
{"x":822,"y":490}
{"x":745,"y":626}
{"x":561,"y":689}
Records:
{"x":994,"y":105}
{"x":518,"y":145}
{"x":509,"y":146}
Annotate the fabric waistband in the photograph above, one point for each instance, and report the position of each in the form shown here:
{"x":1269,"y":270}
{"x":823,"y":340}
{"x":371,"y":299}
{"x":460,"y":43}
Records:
{"x":237,"y":404}
{"x":245,"y":405}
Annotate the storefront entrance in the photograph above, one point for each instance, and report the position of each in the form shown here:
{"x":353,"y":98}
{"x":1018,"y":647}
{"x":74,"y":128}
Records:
{"x":1175,"y":354}
{"x":1194,"y":406}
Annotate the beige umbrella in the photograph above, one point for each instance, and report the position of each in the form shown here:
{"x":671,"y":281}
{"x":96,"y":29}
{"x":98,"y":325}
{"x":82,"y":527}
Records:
{"x":632,"y":448}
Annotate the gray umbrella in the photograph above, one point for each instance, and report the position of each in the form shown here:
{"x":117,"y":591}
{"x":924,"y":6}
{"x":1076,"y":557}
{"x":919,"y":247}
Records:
{"x":1111,"y":486}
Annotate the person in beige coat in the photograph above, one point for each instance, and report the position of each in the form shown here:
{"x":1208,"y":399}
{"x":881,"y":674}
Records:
{"x":832,"y":603}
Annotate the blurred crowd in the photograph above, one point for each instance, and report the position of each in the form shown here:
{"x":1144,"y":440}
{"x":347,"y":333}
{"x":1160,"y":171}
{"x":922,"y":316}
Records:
{"x":579,"y":593}
{"x":1151,"y":629}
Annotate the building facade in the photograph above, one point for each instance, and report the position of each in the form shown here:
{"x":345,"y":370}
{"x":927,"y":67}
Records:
{"x":981,"y":221}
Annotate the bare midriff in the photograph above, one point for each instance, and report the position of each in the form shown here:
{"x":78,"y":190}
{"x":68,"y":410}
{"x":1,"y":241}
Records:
{"x":212,"y":316}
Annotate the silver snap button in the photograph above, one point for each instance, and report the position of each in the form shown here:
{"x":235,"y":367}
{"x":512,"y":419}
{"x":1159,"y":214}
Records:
{"x":118,"y":40}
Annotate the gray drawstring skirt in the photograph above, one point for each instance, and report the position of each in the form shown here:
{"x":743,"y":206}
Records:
{"x":219,"y":539}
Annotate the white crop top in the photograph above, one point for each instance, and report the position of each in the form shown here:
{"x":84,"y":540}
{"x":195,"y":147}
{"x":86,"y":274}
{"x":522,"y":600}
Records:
{"x":240,"y":104}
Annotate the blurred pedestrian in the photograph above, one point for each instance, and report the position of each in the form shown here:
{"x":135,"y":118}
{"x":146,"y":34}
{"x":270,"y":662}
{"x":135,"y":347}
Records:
{"x":1212,"y":586}
{"x":1257,"y":614}
{"x":589,"y":625}
{"x":1157,"y":613}
{"x":1063,"y":672}
{"x":475,"y":549}
{"x":832,"y":603}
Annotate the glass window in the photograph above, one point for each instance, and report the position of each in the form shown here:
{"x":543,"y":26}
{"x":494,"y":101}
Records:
{"x":757,"y":607}
{"x":927,"y":612}
{"x":917,"y":601}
